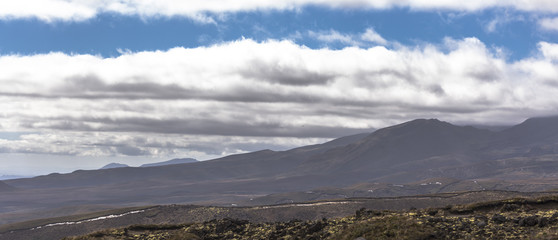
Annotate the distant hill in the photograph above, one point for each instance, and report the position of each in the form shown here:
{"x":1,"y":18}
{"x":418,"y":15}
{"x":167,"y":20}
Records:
{"x":171,"y":162}
{"x":114,"y":165}
{"x":392,"y":161}
{"x":6,"y":177}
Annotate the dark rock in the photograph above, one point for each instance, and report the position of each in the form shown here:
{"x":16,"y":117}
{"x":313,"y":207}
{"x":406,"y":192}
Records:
{"x":543,"y":222}
{"x":509,"y":207}
{"x":316,"y":227}
{"x":499,"y":219}
{"x":436,"y":220}
{"x":363,"y":213}
{"x":481,"y":218}
{"x":360,"y":213}
{"x":432,"y":212}
{"x":481,"y":224}
{"x":529,"y":221}
{"x":233,"y":225}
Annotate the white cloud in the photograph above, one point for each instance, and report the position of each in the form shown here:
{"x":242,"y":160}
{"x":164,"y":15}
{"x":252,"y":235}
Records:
{"x":550,"y":24}
{"x":49,"y":10}
{"x":372,"y":36}
{"x":333,"y":36}
{"x":501,"y":18}
{"x":79,"y":10}
{"x":549,"y":50}
{"x":166,"y":102}
{"x":362,"y":40}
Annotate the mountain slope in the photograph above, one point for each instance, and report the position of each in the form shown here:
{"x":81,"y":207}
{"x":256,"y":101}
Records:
{"x":260,"y":164}
{"x":170,"y":162}
{"x":5,"y":187}
{"x":533,"y":131}
{"x":412,"y":152}
{"x":398,"y":145}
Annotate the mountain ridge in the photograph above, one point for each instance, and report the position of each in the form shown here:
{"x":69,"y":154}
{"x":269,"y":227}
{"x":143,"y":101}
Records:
{"x":410,"y":152}
{"x":415,"y":140}
{"x":170,"y":162}
{"x":421,"y":138}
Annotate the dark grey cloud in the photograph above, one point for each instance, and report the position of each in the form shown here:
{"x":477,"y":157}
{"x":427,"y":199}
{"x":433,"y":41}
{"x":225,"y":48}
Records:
{"x":195,"y":126}
{"x":91,"y":86}
{"x":137,"y":145}
{"x":436,"y":89}
{"x":386,"y":78}
{"x":285,"y":75}
{"x":488,"y":73}
{"x":130,"y":151}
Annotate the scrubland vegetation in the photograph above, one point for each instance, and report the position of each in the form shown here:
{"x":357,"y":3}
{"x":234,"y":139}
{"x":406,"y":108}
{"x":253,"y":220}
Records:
{"x":507,"y":219}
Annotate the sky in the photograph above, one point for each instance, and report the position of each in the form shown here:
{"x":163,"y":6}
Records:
{"x":84,"y":83}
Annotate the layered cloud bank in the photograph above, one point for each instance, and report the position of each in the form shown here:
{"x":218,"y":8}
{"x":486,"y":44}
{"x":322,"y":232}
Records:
{"x":246,"y":95}
{"x":79,"y":10}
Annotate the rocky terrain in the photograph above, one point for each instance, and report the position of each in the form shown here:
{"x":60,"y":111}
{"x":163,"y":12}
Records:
{"x":507,"y":219}
{"x":303,"y":212}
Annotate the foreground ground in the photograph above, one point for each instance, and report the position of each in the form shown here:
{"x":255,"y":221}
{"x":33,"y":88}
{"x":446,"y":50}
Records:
{"x":507,"y":219}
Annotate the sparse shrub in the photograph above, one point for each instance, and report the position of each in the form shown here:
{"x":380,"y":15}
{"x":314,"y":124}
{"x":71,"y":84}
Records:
{"x":388,"y":227}
{"x":432,"y":211}
{"x":152,"y":227}
{"x":498,"y":219}
{"x":184,"y":236}
{"x":509,"y":207}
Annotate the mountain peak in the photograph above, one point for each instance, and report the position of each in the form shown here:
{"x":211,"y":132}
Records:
{"x":418,"y":126}
{"x":533,"y":130}
{"x":423,"y":121}
{"x":540,"y":120}
{"x":114,"y":165}
{"x":408,"y":142}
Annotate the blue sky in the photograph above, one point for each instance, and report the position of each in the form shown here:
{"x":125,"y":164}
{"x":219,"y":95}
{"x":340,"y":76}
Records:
{"x":515,"y":31}
{"x":86,"y":83}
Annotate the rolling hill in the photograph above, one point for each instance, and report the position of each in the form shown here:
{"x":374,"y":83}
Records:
{"x":399,"y":158}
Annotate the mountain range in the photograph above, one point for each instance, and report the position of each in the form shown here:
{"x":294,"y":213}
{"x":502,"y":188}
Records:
{"x":412,"y":157}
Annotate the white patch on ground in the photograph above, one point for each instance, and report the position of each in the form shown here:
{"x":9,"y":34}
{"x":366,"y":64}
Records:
{"x":89,"y":220}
